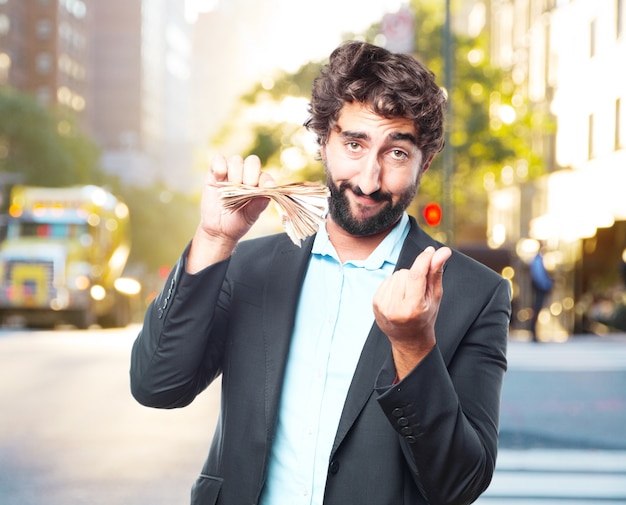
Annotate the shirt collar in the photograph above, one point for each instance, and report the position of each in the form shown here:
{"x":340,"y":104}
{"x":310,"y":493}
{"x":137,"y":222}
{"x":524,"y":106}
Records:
{"x":386,"y":252}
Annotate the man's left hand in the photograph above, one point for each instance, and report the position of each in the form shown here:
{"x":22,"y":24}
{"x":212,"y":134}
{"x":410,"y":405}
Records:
{"x":406,"y":306}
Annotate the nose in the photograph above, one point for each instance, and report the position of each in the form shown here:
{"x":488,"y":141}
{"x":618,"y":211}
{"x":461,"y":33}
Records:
{"x":369,"y":177}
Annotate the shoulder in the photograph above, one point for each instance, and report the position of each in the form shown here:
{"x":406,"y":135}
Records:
{"x":462,"y":274}
{"x":268,"y":243}
{"x":460,"y":264}
{"x":471,"y":273}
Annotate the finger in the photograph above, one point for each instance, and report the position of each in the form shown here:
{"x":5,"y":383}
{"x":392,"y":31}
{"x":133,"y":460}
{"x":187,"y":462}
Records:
{"x":389,"y":296}
{"x":235,"y":169}
{"x":439,"y":259}
{"x":218,"y":171}
{"x":266,"y":180}
{"x":417,"y":278}
{"x":421,"y":264}
{"x":251,"y":170}
{"x":435,"y":274}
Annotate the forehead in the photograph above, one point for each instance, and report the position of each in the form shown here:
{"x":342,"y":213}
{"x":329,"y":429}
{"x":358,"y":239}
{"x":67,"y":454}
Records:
{"x":360,"y":118}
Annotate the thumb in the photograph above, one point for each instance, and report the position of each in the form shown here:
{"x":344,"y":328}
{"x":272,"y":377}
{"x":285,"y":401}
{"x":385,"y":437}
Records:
{"x":439,"y":259}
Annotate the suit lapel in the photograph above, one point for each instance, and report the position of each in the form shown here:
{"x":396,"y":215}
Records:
{"x":374,"y":353}
{"x":282,"y":291}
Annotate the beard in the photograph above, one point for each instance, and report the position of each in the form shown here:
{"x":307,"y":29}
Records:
{"x":387,"y":216}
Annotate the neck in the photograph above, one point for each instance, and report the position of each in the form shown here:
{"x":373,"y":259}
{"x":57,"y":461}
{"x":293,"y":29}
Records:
{"x":352,"y":247}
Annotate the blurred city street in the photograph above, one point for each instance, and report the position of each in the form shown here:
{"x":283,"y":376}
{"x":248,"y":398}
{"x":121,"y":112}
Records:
{"x":71,"y":434}
{"x":563,"y":424}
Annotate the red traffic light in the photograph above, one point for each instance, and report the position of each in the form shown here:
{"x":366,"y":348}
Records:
{"x":432,"y":214}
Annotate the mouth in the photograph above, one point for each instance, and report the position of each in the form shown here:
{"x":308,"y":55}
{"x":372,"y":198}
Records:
{"x":373,"y":200}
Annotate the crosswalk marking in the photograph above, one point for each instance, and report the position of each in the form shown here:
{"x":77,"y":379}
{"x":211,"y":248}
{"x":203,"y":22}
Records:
{"x":581,"y":356}
{"x":557,"y":477}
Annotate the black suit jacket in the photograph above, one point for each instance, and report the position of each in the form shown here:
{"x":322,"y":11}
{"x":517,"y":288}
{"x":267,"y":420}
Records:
{"x":431,"y":438}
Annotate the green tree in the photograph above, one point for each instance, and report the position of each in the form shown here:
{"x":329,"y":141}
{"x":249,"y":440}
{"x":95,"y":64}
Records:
{"x":43,"y":146}
{"x":162,"y":223}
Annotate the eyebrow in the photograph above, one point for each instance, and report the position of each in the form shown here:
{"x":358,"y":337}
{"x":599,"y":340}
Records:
{"x":347,"y":134}
{"x":404,"y":136}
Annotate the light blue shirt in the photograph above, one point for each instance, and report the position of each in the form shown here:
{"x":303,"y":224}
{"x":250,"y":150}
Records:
{"x":333,"y":320}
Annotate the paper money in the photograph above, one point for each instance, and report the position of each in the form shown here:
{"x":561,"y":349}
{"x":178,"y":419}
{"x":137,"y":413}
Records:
{"x":302,"y":205}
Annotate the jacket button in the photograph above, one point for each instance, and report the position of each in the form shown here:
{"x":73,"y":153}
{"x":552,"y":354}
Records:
{"x":334,"y":466}
{"x":403,"y":421}
{"x":410,"y":439}
{"x":397,"y":412}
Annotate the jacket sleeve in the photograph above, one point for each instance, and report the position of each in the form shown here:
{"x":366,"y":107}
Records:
{"x":446,"y":411}
{"x":175,"y":357}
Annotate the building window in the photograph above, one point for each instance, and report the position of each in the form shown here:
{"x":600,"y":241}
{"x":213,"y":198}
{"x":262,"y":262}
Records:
{"x":5,"y":66}
{"x":590,"y":138}
{"x":592,"y":38}
{"x":44,"y":29}
{"x":618,"y":124}
{"x":5,"y":24}
{"x":77,"y":8}
{"x":44,"y":95}
{"x":43,"y":63}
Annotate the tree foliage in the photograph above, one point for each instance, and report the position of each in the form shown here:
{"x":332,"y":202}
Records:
{"x":162,"y":223}
{"x":42,"y":146}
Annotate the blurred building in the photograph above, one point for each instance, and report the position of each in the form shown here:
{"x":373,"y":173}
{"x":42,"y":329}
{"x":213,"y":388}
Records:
{"x":567,"y":57}
{"x":123,"y":68}
{"x":232,"y":51}
{"x":45,"y":50}
{"x":141,"y":79}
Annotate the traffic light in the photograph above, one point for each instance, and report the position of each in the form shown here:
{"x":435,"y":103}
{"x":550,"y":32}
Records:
{"x":432,"y":214}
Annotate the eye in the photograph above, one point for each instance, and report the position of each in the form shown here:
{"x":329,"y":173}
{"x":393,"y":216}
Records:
{"x":353,"y":146}
{"x":398,"y":154}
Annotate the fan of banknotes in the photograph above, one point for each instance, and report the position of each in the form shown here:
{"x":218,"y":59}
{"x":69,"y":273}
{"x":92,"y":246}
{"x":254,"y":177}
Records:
{"x":302,"y":205}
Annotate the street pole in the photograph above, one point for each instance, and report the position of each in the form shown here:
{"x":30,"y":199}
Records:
{"x":448,"y":158}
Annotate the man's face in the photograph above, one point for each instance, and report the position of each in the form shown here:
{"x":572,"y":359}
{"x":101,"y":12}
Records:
{"x":373,"y":166}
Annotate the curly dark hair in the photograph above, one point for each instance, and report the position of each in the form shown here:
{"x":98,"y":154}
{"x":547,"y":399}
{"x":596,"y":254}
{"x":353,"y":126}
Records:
{"x":392,"y":84}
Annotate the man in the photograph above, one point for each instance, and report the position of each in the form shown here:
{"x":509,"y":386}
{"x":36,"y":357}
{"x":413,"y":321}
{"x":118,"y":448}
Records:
{"x":354,"y":369}
{"x":542,"y":286}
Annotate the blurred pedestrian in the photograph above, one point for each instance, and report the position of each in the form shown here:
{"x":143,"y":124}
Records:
{"x":542,"y":285}
{"x":364,"y":367}
{"x":623,"y":267}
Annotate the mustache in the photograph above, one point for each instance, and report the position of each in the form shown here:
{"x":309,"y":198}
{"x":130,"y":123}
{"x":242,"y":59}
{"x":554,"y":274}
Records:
{"x":377,"y":196}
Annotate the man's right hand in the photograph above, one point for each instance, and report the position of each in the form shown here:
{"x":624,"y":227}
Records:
{"x":219,"y":231}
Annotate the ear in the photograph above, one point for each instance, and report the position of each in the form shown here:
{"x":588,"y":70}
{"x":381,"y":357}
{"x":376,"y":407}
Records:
{"x":427,"y":163}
